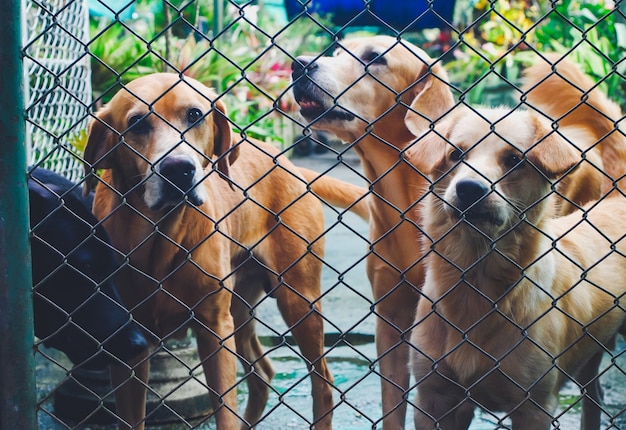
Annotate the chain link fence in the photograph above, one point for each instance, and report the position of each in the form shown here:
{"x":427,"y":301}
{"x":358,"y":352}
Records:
{"x":59,"y":74}
{"x":216,"y":238}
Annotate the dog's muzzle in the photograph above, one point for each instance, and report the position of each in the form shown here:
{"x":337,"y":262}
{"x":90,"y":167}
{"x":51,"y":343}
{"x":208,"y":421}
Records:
{"x":300,"y":65}
{"x":314,"y":101}
{"x":174,"y":179}
{"x":179,"y":172}
{"x":471,"y":202}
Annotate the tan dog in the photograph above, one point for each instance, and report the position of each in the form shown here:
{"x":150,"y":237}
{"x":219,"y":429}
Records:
{"x":571,"y":98}
{"x":516,"y":302}
{"x":208,"y":229}
{"x":368,"y":110}
{"x":362,"y":95}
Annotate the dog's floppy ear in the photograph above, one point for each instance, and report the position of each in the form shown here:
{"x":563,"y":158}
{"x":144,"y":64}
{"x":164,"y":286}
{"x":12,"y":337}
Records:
{"x":433,"y":99}
{"x":429,"y":151}
{"x":553,"y":155}
{"x":101,"y":141}
{"x":223,"y":140}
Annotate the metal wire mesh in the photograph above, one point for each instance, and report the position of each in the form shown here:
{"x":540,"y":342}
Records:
{"x":59,"y":78}
{"x":266,"y":66}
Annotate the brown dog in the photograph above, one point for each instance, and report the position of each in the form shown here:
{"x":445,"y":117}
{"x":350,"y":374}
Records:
{"x":368,"y":110}
{"x":208,"y":228}
{"x":362,"y":95}
{"x":516,"y":302}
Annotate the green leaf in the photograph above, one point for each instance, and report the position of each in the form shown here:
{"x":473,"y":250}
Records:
{"x":620,"y":35}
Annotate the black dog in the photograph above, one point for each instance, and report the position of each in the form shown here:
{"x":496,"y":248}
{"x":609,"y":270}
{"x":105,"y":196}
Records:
{"x":77,"y":308}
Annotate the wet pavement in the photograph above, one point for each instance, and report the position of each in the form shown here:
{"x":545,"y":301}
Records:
{"x":347,"y":308}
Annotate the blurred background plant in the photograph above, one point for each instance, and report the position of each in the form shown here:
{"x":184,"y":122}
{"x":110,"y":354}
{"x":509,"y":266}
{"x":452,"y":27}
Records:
{"x":247,"y":60}
{"x":498,"y":38}
{"x":245,"y":50}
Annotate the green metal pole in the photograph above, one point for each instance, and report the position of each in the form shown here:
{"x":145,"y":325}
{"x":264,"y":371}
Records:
{"x":17,"y":362}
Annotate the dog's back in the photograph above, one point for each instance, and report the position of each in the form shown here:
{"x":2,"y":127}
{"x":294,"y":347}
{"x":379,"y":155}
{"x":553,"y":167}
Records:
{"x":591,"y":274}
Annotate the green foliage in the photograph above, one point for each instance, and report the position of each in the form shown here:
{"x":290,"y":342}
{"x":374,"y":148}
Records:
{"x":591,"y":35}
{"x":185,"y":14}
{"x":505,"y":36}
{"x":248,"y":61}
{"x":117,"y":55}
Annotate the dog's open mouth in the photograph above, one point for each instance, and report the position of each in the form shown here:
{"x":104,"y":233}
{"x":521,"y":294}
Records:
{"x":316,"y":105}
{"x":309,"y":108}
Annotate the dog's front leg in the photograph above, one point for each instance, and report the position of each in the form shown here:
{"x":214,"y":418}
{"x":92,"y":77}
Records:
{"x":589,"y":379}
{"x":395,"y":311}
{"x":216,"y":347}
{"x":532,"y":417}
{"x":442,"y":404}
{"x":129,"y":382}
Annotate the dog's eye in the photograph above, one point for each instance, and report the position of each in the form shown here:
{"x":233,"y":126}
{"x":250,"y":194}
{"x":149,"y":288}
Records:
{"x":373,"y":57}
{"x":194,"y":115}
{"x":456,"y":155}
{"x":138,"y":124}
{"x":513,"y":161}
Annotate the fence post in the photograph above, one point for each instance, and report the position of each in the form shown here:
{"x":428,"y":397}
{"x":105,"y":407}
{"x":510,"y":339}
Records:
{"x":17,"y":369}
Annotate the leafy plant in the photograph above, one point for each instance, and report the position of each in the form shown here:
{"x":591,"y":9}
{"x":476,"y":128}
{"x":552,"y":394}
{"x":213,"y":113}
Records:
{"x":119,"y":56}
{"x":248,"y":62}
{"x":592,"y":35}
{"x":504,"y":36}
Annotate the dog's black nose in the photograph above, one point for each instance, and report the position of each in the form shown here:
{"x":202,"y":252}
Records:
{"x":179,"y":171}
{"x":469,"y":191}
{"x":300,"y":65}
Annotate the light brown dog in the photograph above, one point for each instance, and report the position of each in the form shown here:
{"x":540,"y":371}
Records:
{"x":362,"y":95}
{"x":209,"y":224}
{"x":516,"y":302}
{"x":558,"y":89}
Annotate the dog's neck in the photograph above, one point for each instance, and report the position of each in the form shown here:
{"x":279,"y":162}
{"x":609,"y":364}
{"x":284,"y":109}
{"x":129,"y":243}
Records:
{"x":388,"y":131}
{"x":389,"y":173}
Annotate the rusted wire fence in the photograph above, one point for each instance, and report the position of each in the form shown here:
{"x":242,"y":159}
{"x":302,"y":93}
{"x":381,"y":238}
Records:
{"x":242,"y":247}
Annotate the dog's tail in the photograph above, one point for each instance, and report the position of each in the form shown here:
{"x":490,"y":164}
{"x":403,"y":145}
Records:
{"x":338,"y":193}
{"x":559,"y":89}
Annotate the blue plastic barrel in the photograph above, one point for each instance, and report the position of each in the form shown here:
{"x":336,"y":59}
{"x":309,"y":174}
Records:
{"x":399,"y":14}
